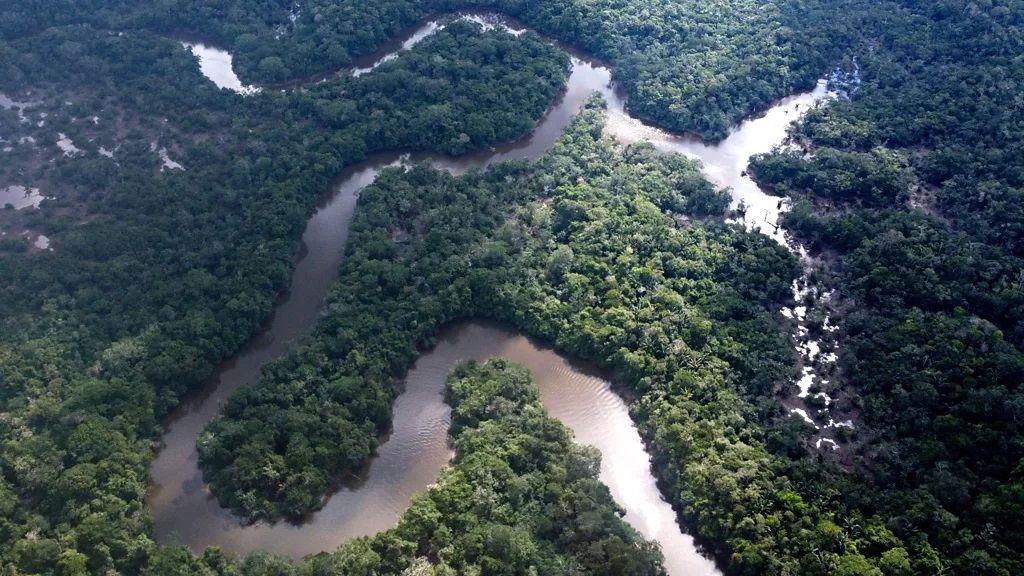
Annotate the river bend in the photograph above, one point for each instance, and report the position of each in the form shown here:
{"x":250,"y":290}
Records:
{"x":411,"y":457}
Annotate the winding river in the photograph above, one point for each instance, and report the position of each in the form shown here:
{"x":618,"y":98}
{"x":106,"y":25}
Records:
{"x":411,"y":457}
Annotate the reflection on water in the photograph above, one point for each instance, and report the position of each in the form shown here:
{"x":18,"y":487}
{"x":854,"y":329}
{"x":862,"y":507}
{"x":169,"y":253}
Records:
{"x":216,"y":64}
{"x":20,"y":197}
{"x":413,"y":455}
{"x":416,"y":450}
{"x":166,"y":163}
{"x":725,"y":163}
{"x":66,"y":145}
{"x":182,"y":507}
{"x":8,"y":103}
{"x":396,"y":47}
{"x":582,"y":399}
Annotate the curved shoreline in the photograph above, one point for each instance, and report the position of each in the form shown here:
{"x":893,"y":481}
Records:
{"x":185,"y":512}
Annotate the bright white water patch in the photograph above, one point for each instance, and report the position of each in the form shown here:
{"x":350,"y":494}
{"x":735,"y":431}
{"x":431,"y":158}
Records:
{"x":803,"y":414}
{"x":66,"y":145}
{"x":845,"y":83}
{"x":8,"y":103}
{"x":165,"y":158}
{"x":493,"y":22}
{"x":845,"y":424}
{"x":487,"y":21}
{"x":828,"y":441}
{"x":418,"y":36}
{"x":216,"y":64}
{"x":168,"y":164}
{"x":814,"y":362}
{"x":805,"y":381}
{"x":20,"y":197}
{"x":282,"y":29}
{"x":725,"y":163}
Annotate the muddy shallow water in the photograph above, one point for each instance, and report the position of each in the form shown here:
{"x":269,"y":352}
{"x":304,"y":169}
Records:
{"x":410,"y":459}
{"x":416,"y":450}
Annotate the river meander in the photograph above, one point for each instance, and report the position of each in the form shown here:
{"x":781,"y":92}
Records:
{"x":411,"y":457}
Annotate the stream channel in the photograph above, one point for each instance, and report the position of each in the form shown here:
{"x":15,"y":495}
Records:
{"x":411,"y":457}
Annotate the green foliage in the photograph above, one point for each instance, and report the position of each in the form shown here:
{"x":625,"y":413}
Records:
{"x":876,"y":178}
{"x":507,"y":83}
{"x":158,"y":275}
{"x":520,"y":498}
{"x":687,"y":65}
{"x":931,"y":340}
{"x":574,"y":250}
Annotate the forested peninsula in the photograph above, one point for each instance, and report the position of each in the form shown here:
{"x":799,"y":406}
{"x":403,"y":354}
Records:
{"x":151,"y":222}
{"x":520,"y":496}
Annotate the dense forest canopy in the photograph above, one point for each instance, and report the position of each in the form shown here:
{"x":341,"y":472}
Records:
{"x":519,"y":497}
{"x":912,"y":194}
{"x":591,"y":262}
{"x":158,"y":274}
{"x":175,"y":212}
{"x":688,"y":65}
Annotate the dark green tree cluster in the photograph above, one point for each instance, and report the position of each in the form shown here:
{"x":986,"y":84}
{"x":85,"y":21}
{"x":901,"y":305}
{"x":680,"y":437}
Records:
{"x":937,"y":82}
{"x":929,"y":272}
{"x":156,"y":276}
{"x":576,"y":249}
{"x":876,"y":178}
{"x":508,"y":83}
{"x":687,"y":65}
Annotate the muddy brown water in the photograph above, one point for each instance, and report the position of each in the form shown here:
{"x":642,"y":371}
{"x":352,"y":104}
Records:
{"x":410,"y":459}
